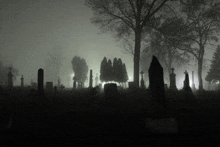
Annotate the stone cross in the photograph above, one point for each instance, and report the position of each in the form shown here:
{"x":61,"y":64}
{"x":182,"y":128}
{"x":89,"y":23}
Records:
{"x":10,"y":80}
{"x":172,"y":69}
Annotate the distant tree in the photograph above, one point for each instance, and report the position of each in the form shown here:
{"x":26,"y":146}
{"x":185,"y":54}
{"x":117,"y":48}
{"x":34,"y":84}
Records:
{"x":119,"y":71}
{"x":125,"y":18}
{"x":103,"y":69}
{"x":80,"y":69}
{"x":109,"y":71}
{"x":115,"y":69}
{"x":214,"y":71}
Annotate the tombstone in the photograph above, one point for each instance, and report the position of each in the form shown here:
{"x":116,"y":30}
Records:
{"x":10,"y":80}
{"x":186,"y":86}
{"x":193,"y":84}
{"x":142,"y":80}
{"x":110,"y":90}
{"x":173,"y":80}
{"x":58,"y":81}
{"x":90,"y":79}
{"x":96,"y":80}
{"x":22,"y":81}
{"x":74,"y":82}
{"x":40,"y":81}
{"x":156,"y":81}
{"x":55,"y":89}
{"x":49,"y":86}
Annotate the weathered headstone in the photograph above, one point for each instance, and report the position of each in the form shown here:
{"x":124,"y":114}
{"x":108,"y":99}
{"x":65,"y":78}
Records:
{"x":10,"y":80}
{"x":173,"y":80}
{"x":193,"y":84}
{"x":49,"y":86}
{"x":142,"y":80}
{"x":156,"y":81}
{"x":40,"y":81}
{"x":90,"y":79}
{"x":186,"y":86}
{"x":22,"y":81}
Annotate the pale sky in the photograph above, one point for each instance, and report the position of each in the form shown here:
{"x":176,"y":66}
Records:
{"x":31,"y":29}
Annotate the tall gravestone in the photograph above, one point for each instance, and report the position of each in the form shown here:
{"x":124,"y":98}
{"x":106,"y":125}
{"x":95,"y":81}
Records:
{"x":186,"y":86}
{"x":40,"y":81}
{"x":90,"y":79}
{"x":173,"y":80}
{"x":10,"y":79}
{"x":22,"y":81}
{"x":49,"y":86}
{"x":156,"y":81}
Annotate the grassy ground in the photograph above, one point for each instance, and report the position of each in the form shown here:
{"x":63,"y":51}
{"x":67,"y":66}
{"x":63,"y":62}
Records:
{"x":76,"y":117}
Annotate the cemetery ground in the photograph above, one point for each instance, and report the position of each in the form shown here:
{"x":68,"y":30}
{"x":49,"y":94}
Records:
{"x":77,"y":117}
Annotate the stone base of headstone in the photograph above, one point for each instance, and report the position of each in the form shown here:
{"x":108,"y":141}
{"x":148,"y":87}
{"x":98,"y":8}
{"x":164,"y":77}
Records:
{"x":110,"y":90}
{"x":162,"y":126}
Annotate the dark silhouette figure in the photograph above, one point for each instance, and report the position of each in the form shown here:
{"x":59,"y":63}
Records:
{"x":40,"y":80}
{"x":156,"y":80}
{"x":173,"y":80}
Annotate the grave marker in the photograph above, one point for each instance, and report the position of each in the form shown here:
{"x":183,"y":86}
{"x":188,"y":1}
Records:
{"x":40,"y":80}
{"x":173,"y":80}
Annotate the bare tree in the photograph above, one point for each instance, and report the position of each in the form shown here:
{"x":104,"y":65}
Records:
{"x":126,"y":18}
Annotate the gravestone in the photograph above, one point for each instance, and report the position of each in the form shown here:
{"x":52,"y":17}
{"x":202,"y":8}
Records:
{"x":173,"y":80}
{"x":10,"y":80}
{"x":90,"y":79}
{"x":193,"y":84}
{"x":22,"y":81}
{"x":142,"y":80}
{"x":156,"y":81}
{"x":40,"y":81}
{"x":186,"y":86}
{"x":49,"y":86}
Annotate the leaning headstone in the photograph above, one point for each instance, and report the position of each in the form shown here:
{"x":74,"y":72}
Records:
{"x":90,"y":79}
{"x":156,"y":81}
{"x":10,"y":80}
{"x":49,"y":86}
{"x":173,"y":80}
{"x":40,"y":82}
{"x":22,"y":81}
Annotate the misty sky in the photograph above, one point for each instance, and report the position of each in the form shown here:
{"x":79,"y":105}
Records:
{"x":34,"y":30}
{"x":30,"y":29}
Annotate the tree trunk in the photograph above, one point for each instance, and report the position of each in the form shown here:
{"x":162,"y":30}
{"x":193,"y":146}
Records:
{"x":200,"y":63}
{"x":137,"y":57}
